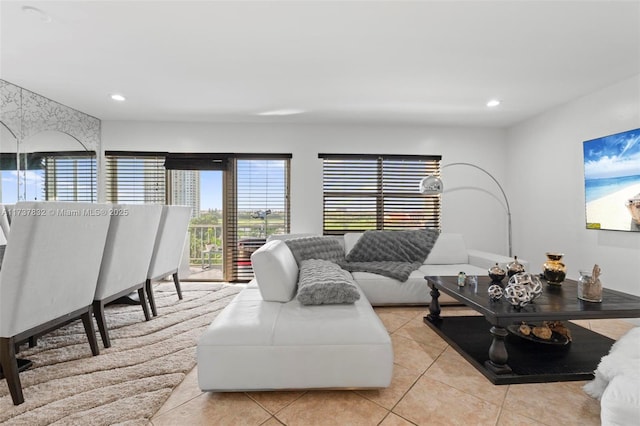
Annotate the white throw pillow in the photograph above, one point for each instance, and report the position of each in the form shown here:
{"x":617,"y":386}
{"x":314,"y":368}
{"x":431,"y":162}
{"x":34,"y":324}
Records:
{"x":448,"y":249}
{"x":276,"y":271}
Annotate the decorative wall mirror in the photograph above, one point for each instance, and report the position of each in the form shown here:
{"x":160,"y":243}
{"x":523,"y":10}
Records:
{"x":8,"y":166}
{"x":47,"y":150}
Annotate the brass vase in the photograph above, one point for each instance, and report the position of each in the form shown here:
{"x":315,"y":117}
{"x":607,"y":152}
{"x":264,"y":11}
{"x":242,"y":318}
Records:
{"x":554,"y":271}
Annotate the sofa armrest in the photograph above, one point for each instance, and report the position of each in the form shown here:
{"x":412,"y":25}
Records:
{"x":486,"y":260}
{"x":276,"y":271}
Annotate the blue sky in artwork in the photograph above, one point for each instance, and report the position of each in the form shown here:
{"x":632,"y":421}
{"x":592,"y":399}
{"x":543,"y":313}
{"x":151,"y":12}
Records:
{"x":613,"y":156}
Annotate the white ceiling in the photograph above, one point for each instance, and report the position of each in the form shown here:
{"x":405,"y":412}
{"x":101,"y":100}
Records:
{"x":405,"y":62}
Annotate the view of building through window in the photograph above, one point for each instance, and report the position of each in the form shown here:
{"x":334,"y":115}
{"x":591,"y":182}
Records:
{"x":202,"y":191}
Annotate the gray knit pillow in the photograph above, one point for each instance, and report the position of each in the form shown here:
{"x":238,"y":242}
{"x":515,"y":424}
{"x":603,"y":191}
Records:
{"x":322,"y":282}
{"x":326,"y":248}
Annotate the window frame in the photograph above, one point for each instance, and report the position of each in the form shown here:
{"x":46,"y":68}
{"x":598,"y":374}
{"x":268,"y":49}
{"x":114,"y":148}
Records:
{"x":237,"y":264}
{"x":377,"y":192}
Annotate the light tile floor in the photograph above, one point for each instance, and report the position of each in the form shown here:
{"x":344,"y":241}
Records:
{"x":432,"y":384}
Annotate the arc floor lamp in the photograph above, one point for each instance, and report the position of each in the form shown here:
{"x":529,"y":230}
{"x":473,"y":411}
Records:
{"x":432,"y":185}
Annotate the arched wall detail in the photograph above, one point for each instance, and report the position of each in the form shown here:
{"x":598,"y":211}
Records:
{"x":26,"y":114}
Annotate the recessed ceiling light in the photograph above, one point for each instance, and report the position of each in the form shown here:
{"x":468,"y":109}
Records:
{"x":493,"y":103}
{"x":34,"y":11}
{"x":290,"y":111}
{"x":118,"y":97}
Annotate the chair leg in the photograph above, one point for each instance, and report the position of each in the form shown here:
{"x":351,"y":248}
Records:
{"x":33,"y":341}
{"x":142,"y":295}
{"x":9,"y":365}
{"x":152,"y":300}
{"x":176,"y":281}
{"x":87,"y":321}
{"x":98,"y":313}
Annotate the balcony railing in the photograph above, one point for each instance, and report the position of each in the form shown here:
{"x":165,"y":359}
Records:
{"x":206,"y":247}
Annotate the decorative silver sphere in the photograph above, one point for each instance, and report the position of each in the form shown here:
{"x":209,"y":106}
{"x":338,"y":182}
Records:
{"x":495,"y":292}
{"x":535,"y":287}
{"x":530,"y":282}
{"x":517,"y":295}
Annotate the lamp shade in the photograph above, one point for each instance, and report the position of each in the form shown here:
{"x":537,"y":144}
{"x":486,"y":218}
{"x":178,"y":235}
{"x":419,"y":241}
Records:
{"x":431,"y":185}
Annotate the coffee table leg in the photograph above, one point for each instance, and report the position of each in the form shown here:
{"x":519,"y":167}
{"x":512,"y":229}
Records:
{"x":434,"y":305}
{"x":498,"y":355}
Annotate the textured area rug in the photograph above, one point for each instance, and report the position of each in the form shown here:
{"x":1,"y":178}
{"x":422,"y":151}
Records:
{"x":127,"y":383}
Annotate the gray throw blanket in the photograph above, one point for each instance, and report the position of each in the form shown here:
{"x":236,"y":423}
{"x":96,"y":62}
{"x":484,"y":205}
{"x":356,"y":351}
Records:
{"x":396,"y":270}
{"x":393,"y":254}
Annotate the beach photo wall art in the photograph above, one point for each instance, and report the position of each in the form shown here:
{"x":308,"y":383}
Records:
{"x":612,"y":181}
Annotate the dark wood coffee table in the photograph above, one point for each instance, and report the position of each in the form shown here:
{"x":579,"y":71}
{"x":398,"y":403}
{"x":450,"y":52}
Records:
{"x":505,"y":358}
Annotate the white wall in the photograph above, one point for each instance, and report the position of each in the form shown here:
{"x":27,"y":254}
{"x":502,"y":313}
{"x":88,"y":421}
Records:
{"x":546,"y":180}
{"x":472,"y":203}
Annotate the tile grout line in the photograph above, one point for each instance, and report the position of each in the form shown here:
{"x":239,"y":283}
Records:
{"x":274,"y":414}
{"x":413,"y":385}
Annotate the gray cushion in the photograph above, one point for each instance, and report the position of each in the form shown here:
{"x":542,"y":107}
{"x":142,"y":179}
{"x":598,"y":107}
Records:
{"x":323,"y":282}
{"x":326,"y":248}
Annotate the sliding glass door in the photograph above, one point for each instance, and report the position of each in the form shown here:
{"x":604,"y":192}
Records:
{"x":262,"y":207}
{"x":237,"y":201}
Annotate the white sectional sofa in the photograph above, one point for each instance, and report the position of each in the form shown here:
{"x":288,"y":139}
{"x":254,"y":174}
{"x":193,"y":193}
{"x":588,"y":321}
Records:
{"x":449,"y":256}
{"x":265,"y":339}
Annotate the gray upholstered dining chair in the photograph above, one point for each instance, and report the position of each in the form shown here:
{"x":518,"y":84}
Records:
{"x":48,"y":276}
{"x":4,"y":219}
{"x":4,"y":232}
{"x":167,"y":252}
{"x":126,"y":258}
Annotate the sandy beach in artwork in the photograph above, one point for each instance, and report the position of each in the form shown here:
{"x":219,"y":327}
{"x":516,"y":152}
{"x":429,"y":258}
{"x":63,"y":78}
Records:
{"x":611,"y":210}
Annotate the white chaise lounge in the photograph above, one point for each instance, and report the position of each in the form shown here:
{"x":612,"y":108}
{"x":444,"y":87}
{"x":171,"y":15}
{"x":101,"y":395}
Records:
{"x":260,"y":345}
